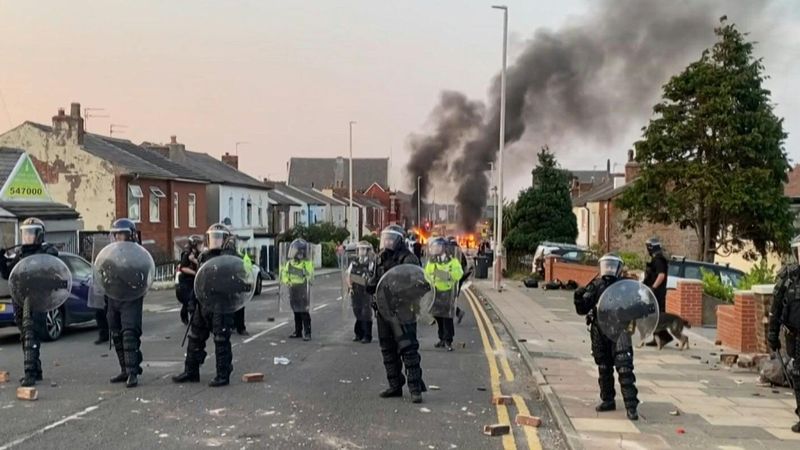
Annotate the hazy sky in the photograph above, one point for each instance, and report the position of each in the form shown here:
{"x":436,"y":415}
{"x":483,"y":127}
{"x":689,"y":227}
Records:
{"x":287,"y":76}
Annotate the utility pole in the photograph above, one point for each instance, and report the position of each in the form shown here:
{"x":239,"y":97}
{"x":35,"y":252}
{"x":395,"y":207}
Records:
{"x":500,"y":251}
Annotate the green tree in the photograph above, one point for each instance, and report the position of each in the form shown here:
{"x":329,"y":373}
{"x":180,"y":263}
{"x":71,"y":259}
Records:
{"x":713,"y":159}
{"x":542,"y":212}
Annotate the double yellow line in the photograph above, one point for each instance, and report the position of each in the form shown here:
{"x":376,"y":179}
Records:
{"x":493,"y":354}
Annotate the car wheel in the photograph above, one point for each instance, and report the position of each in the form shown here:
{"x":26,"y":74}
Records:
{"x":54,"y":324}
{"x":258,"y":284}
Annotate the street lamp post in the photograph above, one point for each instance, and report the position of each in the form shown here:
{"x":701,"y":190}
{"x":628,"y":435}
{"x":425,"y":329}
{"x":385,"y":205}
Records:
{"x":352,"y":228}
{"x":498,"y":271}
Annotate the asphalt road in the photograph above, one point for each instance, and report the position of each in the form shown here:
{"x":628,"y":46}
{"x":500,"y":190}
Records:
{"x":326,"y":398}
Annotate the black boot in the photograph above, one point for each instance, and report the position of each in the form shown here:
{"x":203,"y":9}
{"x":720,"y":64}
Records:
{"x":116,"y":338}
{"x":133,"y":380}
{"x":298,"y":327}
{"x":133,"y":357}
{"x":632,"y":414}
{"x":366,"y":329}
{"x":190,"y":374}
{"x":219,"y":381}
{"x":606,"y":406}
{"x":392,"y":392}
{"x":416,"y":397}
{"x":28,"y":380}
{"x":439,"y":344}
{"x":796,"y":427}
{"x":184,"y":315}
{"x":307,"y":327}
{"x":101,"y":338}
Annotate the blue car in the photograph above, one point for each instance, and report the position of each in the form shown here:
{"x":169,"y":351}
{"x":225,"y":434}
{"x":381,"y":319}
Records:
{"x":50,"y":326}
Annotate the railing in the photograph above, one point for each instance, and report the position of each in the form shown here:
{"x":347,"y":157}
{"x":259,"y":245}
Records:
{"x":165,"y":272}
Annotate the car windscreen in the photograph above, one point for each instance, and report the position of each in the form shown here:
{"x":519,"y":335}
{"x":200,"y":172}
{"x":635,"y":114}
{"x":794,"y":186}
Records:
{"x":730,"y":278}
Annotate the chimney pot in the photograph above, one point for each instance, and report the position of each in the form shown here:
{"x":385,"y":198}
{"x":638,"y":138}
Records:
{"x":630,"y":155}
{"x":75,"y":109}
{"x":173,"y":139}
{"x":61,"y":112}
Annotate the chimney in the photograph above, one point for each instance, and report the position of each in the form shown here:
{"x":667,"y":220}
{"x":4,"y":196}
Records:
{"x":231,"y":160}
{"x":173,"y":139}
{"x":69,"y":128}
{"x":608,"y":166}
{"x":631,"y":168}
{"x":177,"y":151}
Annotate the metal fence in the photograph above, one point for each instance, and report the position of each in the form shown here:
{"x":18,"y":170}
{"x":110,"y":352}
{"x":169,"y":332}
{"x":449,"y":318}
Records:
{"x":165,"y":272}
{"x":519,"y":262}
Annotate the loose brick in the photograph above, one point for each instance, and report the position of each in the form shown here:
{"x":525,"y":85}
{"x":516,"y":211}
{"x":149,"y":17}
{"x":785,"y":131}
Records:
{"x":253,"y":377}
{"x":728,"y":358}
{"x":530,"y":421}
{"x":502,"y":400}
{"x":497,"y":429}
{"x":27,"y":393}
{"x":4,"y":377}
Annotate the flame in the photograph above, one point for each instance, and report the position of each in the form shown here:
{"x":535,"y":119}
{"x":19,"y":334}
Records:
{"x":467,"y":241}
{"x":421,"y":235}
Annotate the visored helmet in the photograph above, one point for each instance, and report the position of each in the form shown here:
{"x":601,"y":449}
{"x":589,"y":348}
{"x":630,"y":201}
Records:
{"x":217,"y":236}
{"x":437,"y":248}
{"x":298,"y":250}
{"x":365,"y":251}
{"x":31,"y":231}
{"x":195,"y":241}
{"x":610,"y":266}
{"x":124,"y":228}
{"x":653,"y":246}
{"x":392,"y":238}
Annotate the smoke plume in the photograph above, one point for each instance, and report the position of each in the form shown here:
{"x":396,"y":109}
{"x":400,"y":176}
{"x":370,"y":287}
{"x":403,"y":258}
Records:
{"x":589,"y":81}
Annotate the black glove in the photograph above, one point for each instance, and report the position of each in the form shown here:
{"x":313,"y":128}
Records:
{"x":774,"y":342}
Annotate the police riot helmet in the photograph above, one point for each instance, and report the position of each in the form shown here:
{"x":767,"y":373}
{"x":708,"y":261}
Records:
{"x":437,"y":248}
{"x":653,"y":246}
{"x":364,"y":249}
{"x":31,"y":231}
{"x":126,"y":228}
{"x":611,"y":266}
{"x":217,"y":236}
{"x":195,"y":241}
{"x":392,"y":238}
{"x":298,"y":249}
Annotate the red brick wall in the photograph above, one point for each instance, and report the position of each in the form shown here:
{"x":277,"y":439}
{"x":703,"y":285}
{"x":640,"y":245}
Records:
{"x":163,"y":232}
{"x":686,"y":300}
{"x":736,"y":324}
{"x":675,"y":241}
{"x":582,"y":274}
{"x":763,"y":301}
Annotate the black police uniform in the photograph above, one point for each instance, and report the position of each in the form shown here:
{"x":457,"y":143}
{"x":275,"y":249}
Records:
{"x":204,"y":323}
{"x":658,"y":265}
{"x":403,"y":350}
{"x":125,"y":325}
{"x":786,"y":311}
{"x":186,"y":284}
{"x":361,"y":302}
{"x":607,"y":353}
{"x":27,"y":324}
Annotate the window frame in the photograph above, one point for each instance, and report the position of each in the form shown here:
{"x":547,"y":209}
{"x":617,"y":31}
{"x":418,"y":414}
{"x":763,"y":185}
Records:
{"x":191,"y":209}
{"x":135,"y":196}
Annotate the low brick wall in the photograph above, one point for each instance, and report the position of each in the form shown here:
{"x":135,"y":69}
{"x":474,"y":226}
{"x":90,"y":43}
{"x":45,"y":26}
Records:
{"x":580,"y":273}
{"x":686,"y":300}
{"x":763,"y":299}
{"x":736,"y":324}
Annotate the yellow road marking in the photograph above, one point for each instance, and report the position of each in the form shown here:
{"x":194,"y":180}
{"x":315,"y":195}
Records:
{"x":494,"y":375}
{"x":531,"y":433}
{"x":497,"y":342}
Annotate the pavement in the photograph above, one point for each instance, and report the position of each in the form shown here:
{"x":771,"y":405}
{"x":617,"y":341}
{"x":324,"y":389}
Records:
{"x":689,"y":400}
{"x":325,"y":398}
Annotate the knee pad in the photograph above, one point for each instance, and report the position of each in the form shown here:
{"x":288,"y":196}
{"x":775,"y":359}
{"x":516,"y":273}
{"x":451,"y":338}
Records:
{"x":605,"y":369}
{"x":222,"y":338}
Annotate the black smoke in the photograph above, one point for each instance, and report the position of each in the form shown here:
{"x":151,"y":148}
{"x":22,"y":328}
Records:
{"x":589,"y":81}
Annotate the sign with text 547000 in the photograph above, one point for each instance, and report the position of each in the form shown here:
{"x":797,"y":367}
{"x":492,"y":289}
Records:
{"x":25,"y":184}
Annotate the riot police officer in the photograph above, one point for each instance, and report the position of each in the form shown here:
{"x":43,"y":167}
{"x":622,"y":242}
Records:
{"x":454,"y":249}
{"x":655,"y":277}
{"x":125,"y":318}
{"x":358,"y":273}
{"x":32,"y":235}
{"x":205,"y":322}
{"x":188,"y":269}
{"x":444,"y":272}
{"x":607,"y":353}
{"x":397,"y":351}
{"x":297,"y":274}
{"x":786,"y":312}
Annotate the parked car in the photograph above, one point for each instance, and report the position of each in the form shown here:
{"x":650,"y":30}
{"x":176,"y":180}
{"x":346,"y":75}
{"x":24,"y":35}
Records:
{"x":570,"y":253}
{"x":50,"y":326}
{"x":682,"y":268}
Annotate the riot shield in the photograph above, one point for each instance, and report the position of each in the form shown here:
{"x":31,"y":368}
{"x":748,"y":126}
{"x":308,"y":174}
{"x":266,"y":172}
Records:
{"x":358,"y":303}
{"x":123,"y":271}
{"x":43,"y":281}
{"x":403,"y":296}
{"x":296,"y":277}
{"x":223,"y":285}
{"x":347,"y":255}
{"x":96,"y":296}
{"x":627,"y":310}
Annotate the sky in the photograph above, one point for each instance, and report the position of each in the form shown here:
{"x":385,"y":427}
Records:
{"x":288,"y":76}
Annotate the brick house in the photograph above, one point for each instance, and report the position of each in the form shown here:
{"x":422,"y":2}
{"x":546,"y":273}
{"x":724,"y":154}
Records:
{"x":104,"y":178}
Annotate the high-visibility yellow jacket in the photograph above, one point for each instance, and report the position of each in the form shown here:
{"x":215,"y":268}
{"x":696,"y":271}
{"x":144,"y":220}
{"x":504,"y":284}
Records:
{"x":297,"y":272}
{"x":444,"y":276}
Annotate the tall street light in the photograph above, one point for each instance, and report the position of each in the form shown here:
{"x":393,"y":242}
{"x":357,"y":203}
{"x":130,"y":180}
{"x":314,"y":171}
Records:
{"x":498,"y":270}
{"x":352,"y":227}
{"x":419,"y":209}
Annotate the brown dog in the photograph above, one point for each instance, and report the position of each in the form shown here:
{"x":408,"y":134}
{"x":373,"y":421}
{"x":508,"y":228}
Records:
{"x":674,"y":325}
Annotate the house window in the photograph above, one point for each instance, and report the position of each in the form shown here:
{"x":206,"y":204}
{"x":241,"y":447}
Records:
{"x":282,"y":221}
{"x":260,"y":213}
{"x":175,"y":210}
{"x":298,"y":217}
{"x":192,"y":211}
{"x":241,"y":211}
{"x":155,"y":204}
{"x":230,"y":208}
{"x":249,"y":212}
{"x":135,"y":196}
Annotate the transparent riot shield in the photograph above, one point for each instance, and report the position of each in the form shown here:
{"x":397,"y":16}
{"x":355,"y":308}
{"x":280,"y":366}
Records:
{"x":43,"y":282}
{"x":224,"y":284}
{"x":403,"y":296}
{"x":344,"y":258}
{"x":123,"y":271}
{"x":296,"y":276}
{"x":96,"y":296}
{"x":445,"y":290}
{"x":627,"y":310}
{"x":358,"y":303}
